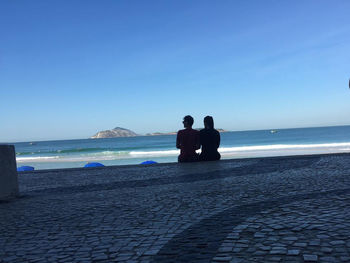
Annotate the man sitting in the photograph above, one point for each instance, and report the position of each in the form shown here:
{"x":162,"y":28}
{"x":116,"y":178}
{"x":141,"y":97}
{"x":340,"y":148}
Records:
{"x":188,"y":141}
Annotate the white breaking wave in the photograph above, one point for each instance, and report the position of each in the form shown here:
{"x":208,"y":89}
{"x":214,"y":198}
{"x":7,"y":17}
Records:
{"x":156,"y":153}
{"x":37,"y":158}
{"x":282,"y":147}
{"x":107,"y":153}
{"x":282,"y":150}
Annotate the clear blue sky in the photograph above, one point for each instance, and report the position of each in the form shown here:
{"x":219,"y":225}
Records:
{"x":71,"y":68}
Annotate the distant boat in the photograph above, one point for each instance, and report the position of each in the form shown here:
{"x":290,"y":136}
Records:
{"x":32,"y":143}
{"x":273,"y":131}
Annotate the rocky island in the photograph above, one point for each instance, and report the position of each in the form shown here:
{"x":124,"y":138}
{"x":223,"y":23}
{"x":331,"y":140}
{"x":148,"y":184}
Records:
{"x":122,"y":132}
{"x":116,"y":132}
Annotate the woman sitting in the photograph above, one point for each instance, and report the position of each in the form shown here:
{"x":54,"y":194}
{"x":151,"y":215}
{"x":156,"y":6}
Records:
{"x":210,"y":141}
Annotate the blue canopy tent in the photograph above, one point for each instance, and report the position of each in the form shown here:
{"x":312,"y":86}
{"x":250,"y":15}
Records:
{"x":25,"y":168}
{"x":94,"y":165}
{"x":148,"y":162}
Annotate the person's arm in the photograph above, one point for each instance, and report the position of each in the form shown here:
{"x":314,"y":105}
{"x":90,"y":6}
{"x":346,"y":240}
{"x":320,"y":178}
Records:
{"x":198,"y":141}
{"x":218,"y":140}
{"x":178,"y":140}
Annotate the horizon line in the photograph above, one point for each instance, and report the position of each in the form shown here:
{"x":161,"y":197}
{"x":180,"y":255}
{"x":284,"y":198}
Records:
{"x":144,"y":135}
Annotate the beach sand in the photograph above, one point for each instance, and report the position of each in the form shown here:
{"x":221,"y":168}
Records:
{"x":288,"y":209}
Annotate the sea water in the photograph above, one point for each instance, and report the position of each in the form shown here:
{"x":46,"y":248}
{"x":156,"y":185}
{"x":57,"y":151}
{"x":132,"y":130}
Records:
{"x":134,"y":150}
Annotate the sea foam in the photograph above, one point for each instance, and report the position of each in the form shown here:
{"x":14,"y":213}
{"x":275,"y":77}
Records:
{"x":283,"y":146}
{"x":36,"y":158}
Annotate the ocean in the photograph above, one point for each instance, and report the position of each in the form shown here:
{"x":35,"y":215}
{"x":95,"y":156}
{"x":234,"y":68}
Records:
{"x":134,"y":150}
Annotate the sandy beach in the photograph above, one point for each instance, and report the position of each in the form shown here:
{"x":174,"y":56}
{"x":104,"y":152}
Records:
{"x":281,"y":209}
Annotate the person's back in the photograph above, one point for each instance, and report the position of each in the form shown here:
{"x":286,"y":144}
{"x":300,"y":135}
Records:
{"x":210,"y":141}
{"x":187,"y":141}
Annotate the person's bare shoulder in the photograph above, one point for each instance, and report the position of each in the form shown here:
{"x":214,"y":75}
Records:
{"x":180,"y":131}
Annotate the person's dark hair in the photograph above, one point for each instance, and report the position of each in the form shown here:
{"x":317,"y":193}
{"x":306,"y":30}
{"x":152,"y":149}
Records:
{"x":208,"y":120}
{"x":189,"y":120}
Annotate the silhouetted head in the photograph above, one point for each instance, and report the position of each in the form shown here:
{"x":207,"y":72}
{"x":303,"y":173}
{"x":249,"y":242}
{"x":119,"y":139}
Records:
{"x":188,"y":121}
{"x":208,"y":122}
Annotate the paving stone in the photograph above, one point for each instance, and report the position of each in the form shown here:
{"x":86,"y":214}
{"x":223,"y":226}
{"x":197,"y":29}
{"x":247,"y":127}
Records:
{"x":259,"y":235}
{"x":122,"y":258}
{"x":241,"y":245}
{"x":264,"y":248}
{"x":277,"y":227}
{"x":323,"y":236}
{"x":150,"y":252}
{"x":225,"y":249}
{"x":300,"y":244}
{"x":337,"y":242}
{"x":310,"y":258}
{"x":99,"y":256}
{"x":328,"y":259}
{"x":260,"y":253}
{"x":290,"y":238}
{"x":275,"y":259}
{"x":237,"y":249}
{"x":315,"y":243}
{"x":326,"y":249}
{"x":8,"y":259}
{"x":340,"y":250}
{"x":293,"y":252}
{"x":278,"y":251}
{"x":222,"y":259}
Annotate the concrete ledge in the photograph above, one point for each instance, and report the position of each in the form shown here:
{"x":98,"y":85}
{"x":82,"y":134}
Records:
{"x":176,"y":164}
{"x":8,"y":172}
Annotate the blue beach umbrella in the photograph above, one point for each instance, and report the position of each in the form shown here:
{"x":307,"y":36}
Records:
{"x":94,"y":165}
{"x":148,"y":162}
{"x":25,"y":168}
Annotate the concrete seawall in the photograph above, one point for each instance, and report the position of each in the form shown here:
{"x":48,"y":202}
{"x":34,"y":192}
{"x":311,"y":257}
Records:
{"x":8,"y":172}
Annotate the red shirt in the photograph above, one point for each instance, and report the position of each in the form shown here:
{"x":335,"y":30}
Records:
{"x":188,"y":141}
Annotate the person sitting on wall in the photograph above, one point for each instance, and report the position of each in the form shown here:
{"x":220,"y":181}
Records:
{"x":187,"y":141}
{"x":210,"y":141}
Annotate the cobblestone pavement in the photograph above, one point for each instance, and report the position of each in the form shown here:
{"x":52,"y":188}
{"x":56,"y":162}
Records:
{"x":285,"y":209}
